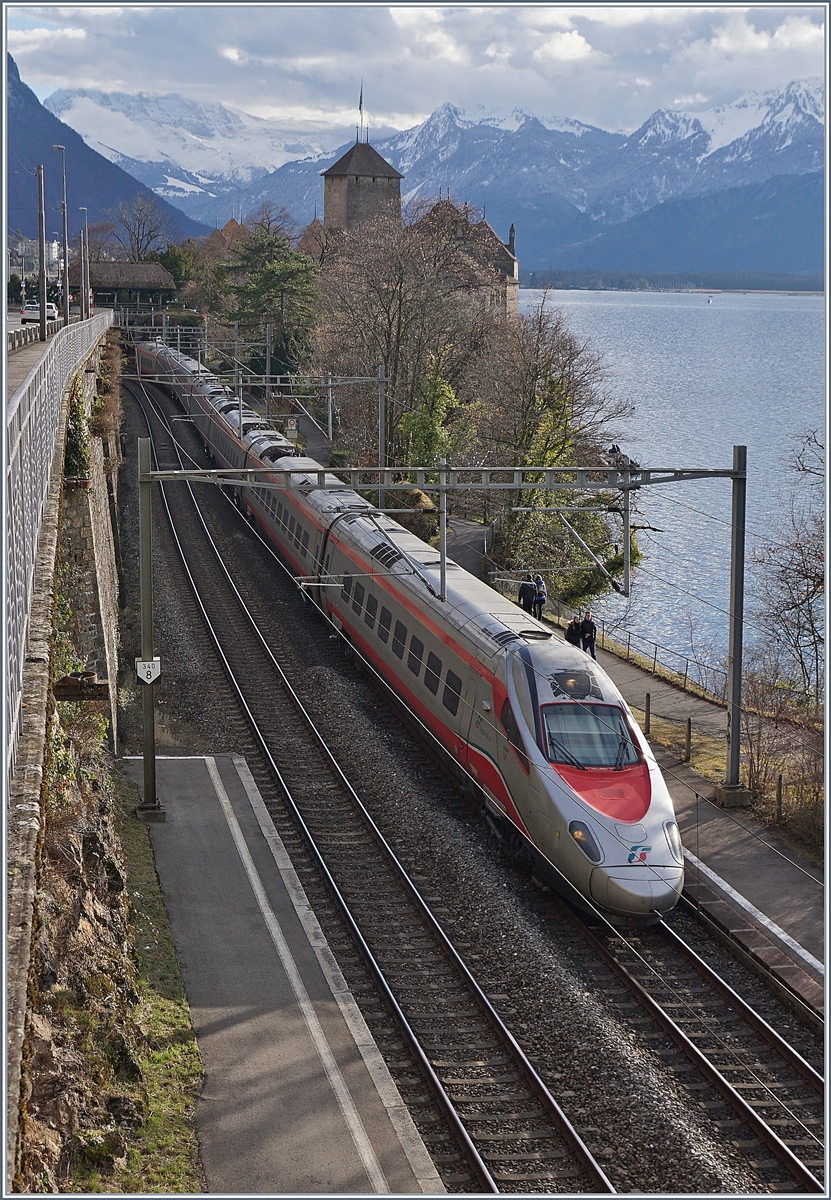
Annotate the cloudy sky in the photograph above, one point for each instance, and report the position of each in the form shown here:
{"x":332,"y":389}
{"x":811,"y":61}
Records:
{"x":606,"y":65}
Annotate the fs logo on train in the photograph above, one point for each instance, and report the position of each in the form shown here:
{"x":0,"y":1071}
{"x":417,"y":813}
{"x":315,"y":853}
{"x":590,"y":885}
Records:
{"x":638,"y":853}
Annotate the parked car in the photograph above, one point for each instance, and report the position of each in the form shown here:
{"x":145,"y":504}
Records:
{"x":31,"y":312}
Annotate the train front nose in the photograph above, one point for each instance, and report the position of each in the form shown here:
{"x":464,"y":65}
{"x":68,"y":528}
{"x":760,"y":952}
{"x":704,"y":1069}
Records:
{"x":637,"y":890}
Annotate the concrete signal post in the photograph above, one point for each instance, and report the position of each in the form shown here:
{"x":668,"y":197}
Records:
{"x":148,"y":667}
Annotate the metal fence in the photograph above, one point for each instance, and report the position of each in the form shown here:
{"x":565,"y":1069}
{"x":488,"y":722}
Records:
{"x":32,"y":421}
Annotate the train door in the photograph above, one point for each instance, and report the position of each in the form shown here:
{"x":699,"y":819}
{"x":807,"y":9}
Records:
{"x":481,"y":753}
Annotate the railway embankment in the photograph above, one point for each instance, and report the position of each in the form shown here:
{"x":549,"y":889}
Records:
{"x":77,"y":1088}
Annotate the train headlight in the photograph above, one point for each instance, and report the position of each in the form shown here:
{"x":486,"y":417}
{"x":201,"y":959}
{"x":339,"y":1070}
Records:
{"x":674,"y":839}
{"x":584,"y":838}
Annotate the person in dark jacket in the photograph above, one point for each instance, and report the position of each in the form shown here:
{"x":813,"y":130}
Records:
{"x":573,"y":633}
{"x":588,"y":635}
{"x":527,"y":593}
{"x":540,"y":596}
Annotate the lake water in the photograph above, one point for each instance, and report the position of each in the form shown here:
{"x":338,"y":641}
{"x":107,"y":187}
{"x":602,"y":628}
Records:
{"x":746,"y":369}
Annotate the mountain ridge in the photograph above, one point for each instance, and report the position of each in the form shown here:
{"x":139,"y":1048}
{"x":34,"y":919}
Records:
{"x":565,"y":184}
{"x":91,"y":180}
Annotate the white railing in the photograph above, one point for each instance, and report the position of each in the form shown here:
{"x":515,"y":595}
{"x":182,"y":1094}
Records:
{"x":31,"y":430}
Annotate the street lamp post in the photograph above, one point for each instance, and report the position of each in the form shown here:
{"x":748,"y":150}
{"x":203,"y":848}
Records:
{"x":85,"y":265}
{"x":65,"y":240}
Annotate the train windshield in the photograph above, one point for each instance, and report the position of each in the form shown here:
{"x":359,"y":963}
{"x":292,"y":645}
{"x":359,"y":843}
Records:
{"x":588,"y":735}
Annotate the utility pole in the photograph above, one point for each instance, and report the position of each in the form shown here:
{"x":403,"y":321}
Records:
{"x":329,"y":403}
{"x":443,"y":528}
{"x":237,"y":383}
{"x":731,"y":792}
{"x":382,"y":430}
{"x":627,"y":536}
{"x":147,"y":667}
{"x":65,"y":239}
{"x":85,"y":265}
{"x":268,"y":372}
{"x":42,"y":252}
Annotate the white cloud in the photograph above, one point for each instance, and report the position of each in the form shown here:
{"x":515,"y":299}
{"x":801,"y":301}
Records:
{"x":413,"y":18}
{"x":545,"y":18}
{"x":611,"y":65}
{"x":694,"y":99}
{"x":738,"y":37}
{"x":24,"y":41}
{"x":563,"y":47}
{"x":233,"y":54}
{"x":499,"y":53}
{"x":799,"y":33}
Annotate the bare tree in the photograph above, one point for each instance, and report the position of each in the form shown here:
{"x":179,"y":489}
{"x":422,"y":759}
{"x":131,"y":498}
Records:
{"x":407,"y":295}
{"x":273,"y":218}
{"x":103,"y":246}
{"x":790,"y":603}
{"x":140,"y":225}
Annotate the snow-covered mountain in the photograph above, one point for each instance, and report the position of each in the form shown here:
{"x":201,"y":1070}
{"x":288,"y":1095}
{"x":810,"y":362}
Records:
{"x":561,"y":182}
{"x":181,"y":148}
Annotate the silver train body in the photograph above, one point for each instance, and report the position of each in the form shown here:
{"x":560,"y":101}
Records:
{"x":536,"y":722}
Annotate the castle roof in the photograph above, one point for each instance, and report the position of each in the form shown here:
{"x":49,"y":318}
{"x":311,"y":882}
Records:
{"x":362,"y":159}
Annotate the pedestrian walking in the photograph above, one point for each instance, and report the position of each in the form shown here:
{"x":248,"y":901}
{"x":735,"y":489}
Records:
{"x":540,"y":596}
{"x":527,"y":594}
{"x":573,"y":634}
{"x":588,"y":635}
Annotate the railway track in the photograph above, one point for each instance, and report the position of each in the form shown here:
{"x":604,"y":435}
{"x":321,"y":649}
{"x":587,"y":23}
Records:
{"x":776,"y":1098}
{"x":510,"y":1130}
{"x":758,"y":1097}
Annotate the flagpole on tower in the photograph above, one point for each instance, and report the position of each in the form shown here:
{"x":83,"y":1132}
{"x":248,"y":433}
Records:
{"x":361,"y":110}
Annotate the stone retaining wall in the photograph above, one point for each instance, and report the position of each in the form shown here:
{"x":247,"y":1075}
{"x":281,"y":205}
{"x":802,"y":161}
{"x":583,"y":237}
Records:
{"x":24,"y":826}
{"x":87,"y":549}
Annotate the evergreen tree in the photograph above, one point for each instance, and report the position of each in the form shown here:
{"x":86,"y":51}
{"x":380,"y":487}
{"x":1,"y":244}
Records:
{"x":274,"y":284}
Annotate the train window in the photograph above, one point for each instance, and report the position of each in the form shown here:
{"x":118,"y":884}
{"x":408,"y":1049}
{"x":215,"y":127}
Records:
{"x":305,"y":542}
{"x":432,"y":673}
{"x":298,"y":532}
{"x":514,"y":737}
{"x":346,"y":587}
{"x":399,"y":639}
{"x":588,"y":735}
{"x":416,"y":654}
{"x":384,"y":625}
{"x":452,"y":692}
{"x":358,"y":597}
{"x":371,"y":610}
{"x":291,"y":527}
{"x":280,"y":515}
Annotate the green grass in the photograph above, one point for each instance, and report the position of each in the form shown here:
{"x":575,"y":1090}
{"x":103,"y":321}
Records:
{"x":162,"y":1153}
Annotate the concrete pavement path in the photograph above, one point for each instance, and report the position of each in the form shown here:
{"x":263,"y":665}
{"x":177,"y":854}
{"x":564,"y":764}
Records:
{"x":296,"y":1097}
{"x":20,"y":362}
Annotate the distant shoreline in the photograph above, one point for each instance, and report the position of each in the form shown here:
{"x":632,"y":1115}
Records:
{"x":524,"y":287}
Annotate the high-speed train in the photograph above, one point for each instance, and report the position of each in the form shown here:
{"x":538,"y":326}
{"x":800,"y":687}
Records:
{"x":534,"y":721}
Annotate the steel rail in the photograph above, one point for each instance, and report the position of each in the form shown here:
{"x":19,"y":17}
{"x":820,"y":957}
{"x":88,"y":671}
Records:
{"x":804,"y":1178}
{"x":792,"y":1057}
{"x":561,"y":1122}
{"x":780,"y":987}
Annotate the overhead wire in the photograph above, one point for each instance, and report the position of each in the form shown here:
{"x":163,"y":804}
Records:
{"x":591,"y":710}
{"x":694,"y":1010}
{"x":721,"y":521}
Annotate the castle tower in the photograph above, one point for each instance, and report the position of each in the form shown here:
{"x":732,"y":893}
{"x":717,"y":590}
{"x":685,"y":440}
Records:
{"x":359,"y":186}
